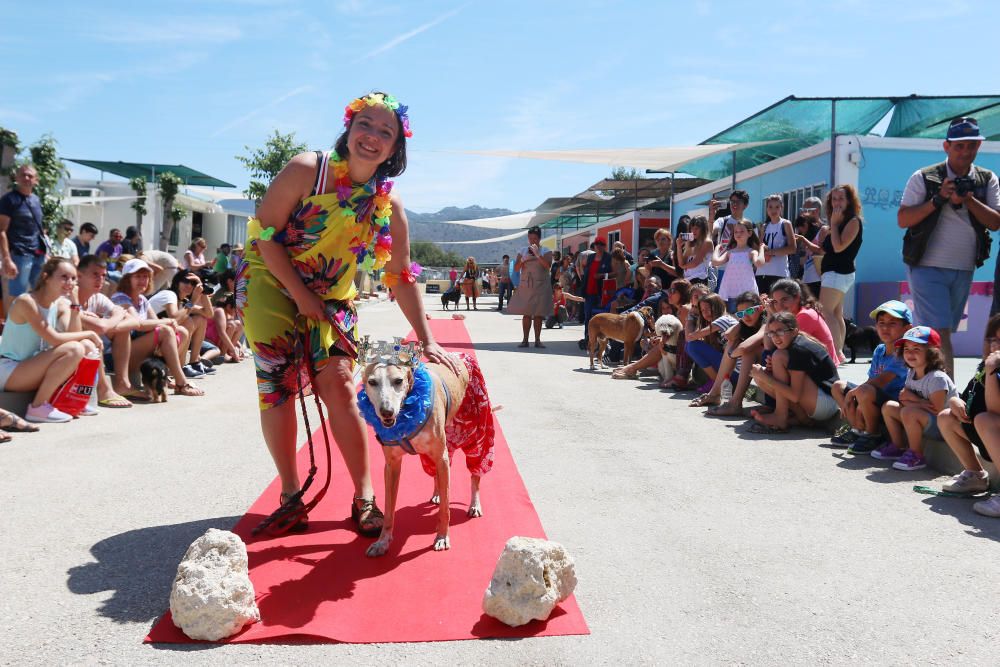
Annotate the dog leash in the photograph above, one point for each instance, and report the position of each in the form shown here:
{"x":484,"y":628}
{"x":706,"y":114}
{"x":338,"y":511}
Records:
{"x":293,"y":509}
{"x":945,"y":494}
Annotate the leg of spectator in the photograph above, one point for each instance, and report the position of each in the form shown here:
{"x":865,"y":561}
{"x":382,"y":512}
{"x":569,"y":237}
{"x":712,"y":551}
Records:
{"x":121,"y":354}
{"x":224,"y":333}
{"x":890,"y":415}
{"x":953,"y":433}
{"x":726,"y":366}
{"x":336,"y":387}
{"x":704,"y":356}
{"x":868,"y":409}
{"x":196,"y":338}
{"x":743,"y":381}
{"x":914,"y":421}
{"x":832,"y":301}
{"x":782,"y":407}
{"x":169,"y":349}
{"x":988,"y":427}
{"x":44,"y":372}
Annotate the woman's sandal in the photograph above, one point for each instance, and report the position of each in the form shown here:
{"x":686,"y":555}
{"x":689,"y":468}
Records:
{"x":365,"y":515}
{"x":724,"y":411}
{"x":705,"y":400}
{"x":297,"y":521}
{"x":188,"y":389}
{"x":11,"y":422}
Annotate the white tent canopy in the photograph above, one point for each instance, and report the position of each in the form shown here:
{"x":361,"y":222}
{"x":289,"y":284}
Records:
{"x":509,"y":237}
{"x":660,"y":159}
{"x":515,"y":221}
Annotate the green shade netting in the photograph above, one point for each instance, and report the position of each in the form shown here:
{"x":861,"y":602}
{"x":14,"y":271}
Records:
{"x":928,"y":117}
{"x":796,"y":124}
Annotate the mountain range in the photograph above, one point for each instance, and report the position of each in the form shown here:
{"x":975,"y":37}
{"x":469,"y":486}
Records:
{"x":427,"y":227}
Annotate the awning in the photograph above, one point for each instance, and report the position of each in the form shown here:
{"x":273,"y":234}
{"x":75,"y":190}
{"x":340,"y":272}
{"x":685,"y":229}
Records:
{"x":659,"y":159}
{"x":514,"y":221}
{"x":508,"y":237}
{"x":150,"y":171}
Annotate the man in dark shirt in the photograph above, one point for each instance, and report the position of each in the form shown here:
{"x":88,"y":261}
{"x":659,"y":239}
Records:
{"x":503,"y":280}
{"x":22,"y":245}
{"x":133,"y":242}
{"x":88,"y":231}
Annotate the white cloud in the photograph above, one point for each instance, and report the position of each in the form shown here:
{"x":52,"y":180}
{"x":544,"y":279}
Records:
{"x":259,"y":110}
{"x":393,"y":43}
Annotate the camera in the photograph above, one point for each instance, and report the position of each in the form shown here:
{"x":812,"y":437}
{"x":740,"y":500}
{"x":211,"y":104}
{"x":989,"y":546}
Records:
{"x":964,"y":185}
{"x":687,"y":236}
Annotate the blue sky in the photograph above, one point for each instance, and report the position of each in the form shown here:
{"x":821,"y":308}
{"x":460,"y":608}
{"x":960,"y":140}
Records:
{"x":194,"y":82}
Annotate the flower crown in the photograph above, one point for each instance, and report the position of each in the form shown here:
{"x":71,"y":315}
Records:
{"x":392,"y":354}
{"x":383,"y":100}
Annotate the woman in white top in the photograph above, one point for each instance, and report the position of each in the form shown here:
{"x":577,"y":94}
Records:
{"x":194,"y":258}
{"x":694,"y":251}
{"x":779,"y":242}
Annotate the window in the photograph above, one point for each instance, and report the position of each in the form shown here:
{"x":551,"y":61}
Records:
{"x":793,"y":199}
{"x":613,"y":238}
{"x":236,"y":229}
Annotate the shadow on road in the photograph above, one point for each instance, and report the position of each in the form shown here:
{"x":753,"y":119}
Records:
{"x":139,"y":566}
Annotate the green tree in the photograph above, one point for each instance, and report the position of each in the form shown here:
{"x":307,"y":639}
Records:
{"x":138,"y":185}
{"x":265,"y":163}
{"x":626,"y":174}
{"x":10,"y":146}
{"x":426,"y":253}
{"x":51,"y":170}
{"x":169,"y":184}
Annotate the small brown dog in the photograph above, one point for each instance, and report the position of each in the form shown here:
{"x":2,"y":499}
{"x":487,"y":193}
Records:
{"x":624,"y":328}
{"x":459,"y":416}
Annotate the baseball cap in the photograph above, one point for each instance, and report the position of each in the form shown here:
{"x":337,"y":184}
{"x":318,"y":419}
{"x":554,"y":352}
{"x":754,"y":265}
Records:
{"x":134,"y":265}
{"x":894,"y":308}
{"x":922,"y":335}
{"x":964,"y":129}
{"x":600,"y":240}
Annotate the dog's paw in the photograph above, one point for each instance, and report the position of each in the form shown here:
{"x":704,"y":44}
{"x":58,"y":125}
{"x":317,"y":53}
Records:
{"x":475,"y":511}
{"x":442,"y":543}
{"x":377,"y":548}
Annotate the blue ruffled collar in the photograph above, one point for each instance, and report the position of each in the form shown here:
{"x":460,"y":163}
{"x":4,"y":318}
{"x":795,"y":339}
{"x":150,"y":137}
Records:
{"x":412,"y":414}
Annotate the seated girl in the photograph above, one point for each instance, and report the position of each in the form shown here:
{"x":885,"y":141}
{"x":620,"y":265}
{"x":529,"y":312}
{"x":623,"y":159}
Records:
{"x":676,"y":304}
{"x":34,"y":355}
{"x":187,"y":304}
{"x":155,"y":336}
{"x":971,"y":420}
{"x":800,"y":378}
{"x":737,"y":360}
{"x":704,"y":345}
{"x":228,"y":339}
{"x":924,"y":394}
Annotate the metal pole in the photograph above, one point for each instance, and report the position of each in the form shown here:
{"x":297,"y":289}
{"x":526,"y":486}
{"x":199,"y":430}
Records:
{"x":671,"y":202}
{"x":833,"y":144}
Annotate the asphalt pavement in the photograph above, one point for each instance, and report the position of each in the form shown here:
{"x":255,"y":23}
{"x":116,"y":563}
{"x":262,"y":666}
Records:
{"x":695,"y":542}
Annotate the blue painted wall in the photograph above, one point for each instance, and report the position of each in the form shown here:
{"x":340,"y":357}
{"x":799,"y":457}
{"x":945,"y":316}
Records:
{"x":884,"y":172}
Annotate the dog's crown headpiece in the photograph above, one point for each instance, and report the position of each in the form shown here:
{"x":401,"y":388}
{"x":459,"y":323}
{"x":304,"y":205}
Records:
{"x":394,"y":353}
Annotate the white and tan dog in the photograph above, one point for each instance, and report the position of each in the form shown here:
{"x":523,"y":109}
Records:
{"x":668,"y":328}
{"x":387,"y":386}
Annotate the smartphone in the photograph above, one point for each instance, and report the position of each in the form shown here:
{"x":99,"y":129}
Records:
{"x":687,"y":236}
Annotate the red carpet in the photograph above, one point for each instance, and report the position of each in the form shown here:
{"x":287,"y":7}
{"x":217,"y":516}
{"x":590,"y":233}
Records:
{"x":320,"y":587}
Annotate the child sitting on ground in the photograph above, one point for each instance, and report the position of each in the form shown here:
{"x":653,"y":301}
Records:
{"x":861,"y":405}
{"x":924,"y":394}
{"x":969,"y":420}
{"x":736,"y":359}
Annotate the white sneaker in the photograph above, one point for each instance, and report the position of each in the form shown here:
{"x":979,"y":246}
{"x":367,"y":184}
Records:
{"x":990,"y":507}
{"x":968,"y":481}
{"x":46,"y":414}
{"x":89,"y":412}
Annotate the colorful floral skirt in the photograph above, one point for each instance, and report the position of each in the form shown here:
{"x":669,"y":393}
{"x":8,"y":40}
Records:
{"x":282,"y":341}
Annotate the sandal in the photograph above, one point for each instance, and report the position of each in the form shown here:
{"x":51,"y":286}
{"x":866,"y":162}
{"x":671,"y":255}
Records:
{"x":705,"y":400}
{"x":724,"y":411}
{"x":11,"y":422}
{"x":366,"y":515}
{"x":296,"y":520}
{"x":114,"y":401}
{"x":764,"y":429}
{"x":188,"y":389}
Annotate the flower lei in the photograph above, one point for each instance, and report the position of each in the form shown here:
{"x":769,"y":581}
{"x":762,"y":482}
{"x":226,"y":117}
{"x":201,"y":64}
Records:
{"x":382,"y":100}
{"x":390,"y":279}
{"x":377,"y":253}
{"x":412,"y":413}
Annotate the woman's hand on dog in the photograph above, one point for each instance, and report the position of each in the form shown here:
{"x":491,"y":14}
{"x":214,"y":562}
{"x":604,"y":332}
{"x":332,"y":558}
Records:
{"x":437,"y":355}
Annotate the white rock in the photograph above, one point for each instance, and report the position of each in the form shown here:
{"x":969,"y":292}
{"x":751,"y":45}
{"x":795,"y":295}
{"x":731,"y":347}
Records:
{"x":212,"y":596}
{"x":532,"y":576}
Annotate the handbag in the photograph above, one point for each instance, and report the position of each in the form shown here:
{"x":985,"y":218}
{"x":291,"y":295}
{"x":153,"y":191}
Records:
{"x":74,"y":394}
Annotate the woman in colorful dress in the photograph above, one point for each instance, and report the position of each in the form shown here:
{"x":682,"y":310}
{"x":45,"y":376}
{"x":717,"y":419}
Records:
{"x":325,"y":217}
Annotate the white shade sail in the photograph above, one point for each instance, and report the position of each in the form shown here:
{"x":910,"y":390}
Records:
{"x":515,"y":221}
{"x":660,"y":159}
{"x":509,"y":237}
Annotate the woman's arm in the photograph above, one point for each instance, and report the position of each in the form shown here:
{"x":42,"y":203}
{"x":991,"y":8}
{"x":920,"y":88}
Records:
{"x":518,"y":262}
{"x":25,"y":308}
{"x":407,"y":294}
{"x":757,"y":256}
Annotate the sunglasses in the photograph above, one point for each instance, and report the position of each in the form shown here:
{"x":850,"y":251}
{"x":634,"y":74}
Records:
{"x":747,"y":311}
{"x":192,"y":282}
{"x":779,"y":332}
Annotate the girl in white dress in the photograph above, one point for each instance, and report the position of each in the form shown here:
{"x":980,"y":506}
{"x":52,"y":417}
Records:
{"x":740,"y":256}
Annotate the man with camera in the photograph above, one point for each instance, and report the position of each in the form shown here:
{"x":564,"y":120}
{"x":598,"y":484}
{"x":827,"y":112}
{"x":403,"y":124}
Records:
{"x":948,"y":211}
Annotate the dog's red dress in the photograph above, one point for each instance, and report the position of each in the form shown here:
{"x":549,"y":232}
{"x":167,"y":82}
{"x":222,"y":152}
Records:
{"x":472,"y":429}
